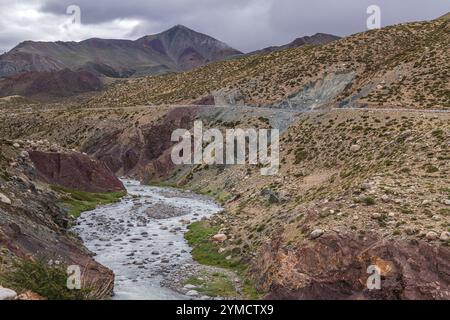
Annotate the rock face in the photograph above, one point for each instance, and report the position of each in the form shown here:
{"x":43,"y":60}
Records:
{"x":318,"y":93}
{"x":35,"y":226}
{"x":75,"y":171}
{"x":335,"y":267}
{"x":176,"y":49}
{"x":144,"y":152}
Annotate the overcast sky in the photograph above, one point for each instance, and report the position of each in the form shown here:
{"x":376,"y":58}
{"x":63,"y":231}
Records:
{"x":244,"y":24}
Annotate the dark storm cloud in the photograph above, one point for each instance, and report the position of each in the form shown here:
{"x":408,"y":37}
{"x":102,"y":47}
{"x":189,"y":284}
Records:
{"x":244,"y":24}
{"x":157,"y":10}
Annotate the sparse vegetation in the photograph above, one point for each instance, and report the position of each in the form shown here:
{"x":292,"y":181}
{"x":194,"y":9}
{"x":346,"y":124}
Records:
{"x":214,"y":285}
{"x":206,"y":252}
{"x":49,"y":282}
{"x":79,"y":201}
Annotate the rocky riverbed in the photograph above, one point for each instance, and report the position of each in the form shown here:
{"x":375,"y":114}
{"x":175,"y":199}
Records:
{"x":142,"y":238}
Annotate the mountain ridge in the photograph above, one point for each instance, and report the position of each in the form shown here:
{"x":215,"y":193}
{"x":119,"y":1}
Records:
{"x":148,"y":55}
{"x":316,"y":39}
{"x":405,"y":69}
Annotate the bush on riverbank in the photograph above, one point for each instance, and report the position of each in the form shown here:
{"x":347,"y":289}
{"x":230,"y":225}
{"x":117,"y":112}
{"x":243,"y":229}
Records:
{"x":206,"y":252}
{"x":214,"y":285}
{"x":47,"y":281}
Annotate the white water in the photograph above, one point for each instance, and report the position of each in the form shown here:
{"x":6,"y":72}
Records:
{"x":138,"y":248}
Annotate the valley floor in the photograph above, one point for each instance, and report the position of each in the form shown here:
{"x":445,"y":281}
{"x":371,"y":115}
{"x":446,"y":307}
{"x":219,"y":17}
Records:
{"x":356,"y":188}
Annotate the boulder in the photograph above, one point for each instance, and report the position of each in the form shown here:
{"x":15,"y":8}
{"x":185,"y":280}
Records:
{"x":4,"y":199}
{"x":431,"y":235}
{"x":192,"y":293}
{"x":220,"y":237}
{"x":316,"y":233}
{"x":7,"y":294}
{"x":190,"y":287}
{"x":445,"y":236}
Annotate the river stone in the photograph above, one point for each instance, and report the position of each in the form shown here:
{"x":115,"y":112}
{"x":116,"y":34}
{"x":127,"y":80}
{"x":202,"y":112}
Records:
{"x":355,"y":148}
{"x":185,"y":221}
{"x":7,"y":294}
{"x":190,"y":287}
{"x":192,"y":293}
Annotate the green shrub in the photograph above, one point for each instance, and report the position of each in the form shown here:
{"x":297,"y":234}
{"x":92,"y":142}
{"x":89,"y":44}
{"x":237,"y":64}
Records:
{"x":205,"y":251}
{"x":431,"y":169}
{"x":80,"y":201}
{"x":300,"y":155}
{"x":214,"y":285}
{"x":39,"y":277}
{"x":369,"y":201}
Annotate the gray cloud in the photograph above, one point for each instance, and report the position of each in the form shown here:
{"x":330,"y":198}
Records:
{"x":244,"y":24}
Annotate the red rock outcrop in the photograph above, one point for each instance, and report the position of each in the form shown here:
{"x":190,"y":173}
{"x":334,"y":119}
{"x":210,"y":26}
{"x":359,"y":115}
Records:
{"x":75,"y":171}
{"x":335,"y":267}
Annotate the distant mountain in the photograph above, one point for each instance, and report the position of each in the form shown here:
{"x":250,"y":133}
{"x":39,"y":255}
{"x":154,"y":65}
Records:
{"x":177,"y":49}
{"x":50,"y":83}
{"x":317,"y":39}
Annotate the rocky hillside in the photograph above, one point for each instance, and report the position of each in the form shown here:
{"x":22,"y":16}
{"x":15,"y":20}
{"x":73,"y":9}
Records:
{"x":34,"y":219}
{"x":177,"y":49}
{"x":355,"y":189}
{"x":402,"y":66}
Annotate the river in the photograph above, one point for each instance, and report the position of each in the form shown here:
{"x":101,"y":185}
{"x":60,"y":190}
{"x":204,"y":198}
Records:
{"x":141,"y":238}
